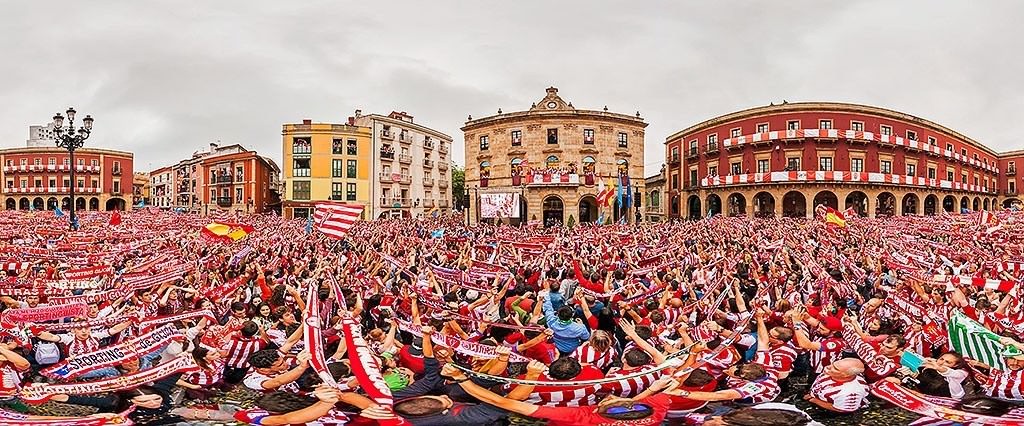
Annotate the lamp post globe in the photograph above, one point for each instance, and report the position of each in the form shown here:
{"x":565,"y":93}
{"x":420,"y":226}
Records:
{"x":71,"y":139}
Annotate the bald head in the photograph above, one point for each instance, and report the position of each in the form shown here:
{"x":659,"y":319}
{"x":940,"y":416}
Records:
{"x":847,"y":368}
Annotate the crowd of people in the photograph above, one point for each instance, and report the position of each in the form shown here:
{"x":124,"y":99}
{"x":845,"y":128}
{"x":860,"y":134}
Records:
{"x":722,"y":321}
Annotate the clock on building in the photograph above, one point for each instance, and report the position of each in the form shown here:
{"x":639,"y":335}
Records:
{"x":552,"y":105}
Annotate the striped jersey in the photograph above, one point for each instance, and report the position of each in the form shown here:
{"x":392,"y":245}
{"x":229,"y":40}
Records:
{"x":586,"y":354}
{"x":239,"y":349}
{"x":844,"y":396}
{"x":1005,"y":384}
{"x":762,"y":390}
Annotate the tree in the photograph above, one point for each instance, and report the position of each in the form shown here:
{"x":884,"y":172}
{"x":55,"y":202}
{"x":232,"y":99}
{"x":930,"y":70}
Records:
{"x":459,"y":185}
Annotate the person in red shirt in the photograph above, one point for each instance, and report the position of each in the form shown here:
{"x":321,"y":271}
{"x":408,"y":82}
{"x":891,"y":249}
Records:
{"x":648,"y":408}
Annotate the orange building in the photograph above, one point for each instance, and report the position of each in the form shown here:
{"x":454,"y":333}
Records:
{"x":39,"y":177}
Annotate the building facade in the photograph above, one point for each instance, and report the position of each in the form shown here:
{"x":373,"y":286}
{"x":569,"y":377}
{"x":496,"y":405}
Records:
{"x":225,"y":179}
{"x":38,"y":178}
{"x":411,"y":167}
{"x":324,"y":161}
{"x":654,"y":207}
{"x":141,"y":189}
{"x":787,"y":159}
{"x":555,"y":159}
{"x":1010,"y":181}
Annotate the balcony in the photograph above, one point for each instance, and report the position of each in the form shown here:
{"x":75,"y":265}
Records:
{"x":692,"y":153}
{"x":711,"y":149}
{"x":404,"y":138}
{"x":428,"y":202}
{"x":443,"y":183}
{"x":443,"y":165}
{"x":428,"y":143}
{"x":428,"y":181}
{"x":395,"y":177}
{"x":386,"y":134}
{"x":394,"y":202}
{"x":226,"y":179}
{"x":653,"y":209}
{"x":674,"y":159}
{"x":444,"y":148}
{"x":428,"y":163}
{"x":387,"y":155}
{"x":50,"y":168}
{"x":1011,"y":171}
{"x":443,"y":204}
{"x":404,"y":158}
{"x":50,"y":190}
{"x":1011,"y":193}
{"x":589,"y":140}
{"x":224,"y":201}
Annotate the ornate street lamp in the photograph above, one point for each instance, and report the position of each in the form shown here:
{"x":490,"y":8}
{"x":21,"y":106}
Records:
{"x":71,"y":139}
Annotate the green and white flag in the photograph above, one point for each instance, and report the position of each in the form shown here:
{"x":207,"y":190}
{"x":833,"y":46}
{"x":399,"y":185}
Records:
{"x":974,"y":341}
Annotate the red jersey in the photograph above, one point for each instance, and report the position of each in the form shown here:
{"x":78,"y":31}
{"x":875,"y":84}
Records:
{"x":574,"y":416}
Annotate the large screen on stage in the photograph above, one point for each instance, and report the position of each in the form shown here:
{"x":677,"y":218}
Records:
{"x":499,"y":205}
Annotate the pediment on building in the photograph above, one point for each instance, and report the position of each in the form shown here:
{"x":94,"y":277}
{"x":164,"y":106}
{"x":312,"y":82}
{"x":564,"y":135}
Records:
{"x":552,"y":102}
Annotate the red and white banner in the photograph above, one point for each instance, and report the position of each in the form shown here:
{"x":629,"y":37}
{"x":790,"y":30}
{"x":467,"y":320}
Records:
{"x":39,"y":393}
{"x":112,"y":355}
{"x":90,"y":272}
{"x":335,"y":219}
{"x":44,"y":313}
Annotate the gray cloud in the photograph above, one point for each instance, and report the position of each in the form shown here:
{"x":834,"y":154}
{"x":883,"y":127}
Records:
{"x":165,"y":78}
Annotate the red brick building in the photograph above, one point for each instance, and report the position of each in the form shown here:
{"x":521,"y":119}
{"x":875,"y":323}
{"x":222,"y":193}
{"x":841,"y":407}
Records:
{"x":238,"y":180}
{"x":39,"y":177}
{"x":786,"y":159}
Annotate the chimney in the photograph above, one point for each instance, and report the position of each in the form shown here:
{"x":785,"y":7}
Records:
{"x":307,"y":121}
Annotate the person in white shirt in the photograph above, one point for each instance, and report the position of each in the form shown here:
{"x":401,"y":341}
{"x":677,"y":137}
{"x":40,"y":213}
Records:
{"x":842,"y":388}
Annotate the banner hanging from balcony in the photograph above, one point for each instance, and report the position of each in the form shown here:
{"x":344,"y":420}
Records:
{"x":500,"y":205}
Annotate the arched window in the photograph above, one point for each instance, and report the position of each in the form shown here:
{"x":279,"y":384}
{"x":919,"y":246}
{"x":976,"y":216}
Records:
{"x":589,"y":165}
{"x":485,"y":169}
{"x":514,"y":170}
{"x":551,"y":162}
{"x":623,"y":166}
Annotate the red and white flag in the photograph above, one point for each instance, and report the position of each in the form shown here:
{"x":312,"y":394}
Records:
{"x":335,"y":219}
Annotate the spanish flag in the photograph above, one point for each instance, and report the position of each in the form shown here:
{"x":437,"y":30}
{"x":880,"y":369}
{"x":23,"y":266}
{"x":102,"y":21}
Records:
{"x":227,"y":232}
{"x":833,"y":217}
{"x":433,"y":211}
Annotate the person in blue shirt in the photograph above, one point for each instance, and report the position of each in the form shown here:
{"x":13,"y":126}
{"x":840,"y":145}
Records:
{"x":569,"y":334}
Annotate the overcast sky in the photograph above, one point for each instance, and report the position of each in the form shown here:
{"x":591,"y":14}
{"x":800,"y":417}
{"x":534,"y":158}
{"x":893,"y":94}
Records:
{"x":165,"y":78}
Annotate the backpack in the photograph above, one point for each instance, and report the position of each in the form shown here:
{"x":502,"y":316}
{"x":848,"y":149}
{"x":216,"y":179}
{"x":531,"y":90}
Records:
{"x":47,"y":353}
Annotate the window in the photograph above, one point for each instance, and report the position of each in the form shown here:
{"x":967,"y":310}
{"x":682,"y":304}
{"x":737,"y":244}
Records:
{"x":949,"y":175}
{"x":337,"y":168}
{"x":485,"y":143}
{"x":712,"y":170}
{"x":886,"y":166}
{"x":931,"y":141}
{"x":67,"y":162}
{"x":53,"y":183}
{"x":95,"y":183}
{"x":301,"y":146}
{"x":949,"y":147}
{"x":857,"y":126}
{"x":350,"y":191}
{"x":117,"y":186}
{"x":1011,"y":187}
{"x":963,"y":178}
{"x":975,"y":157}
{"x":911,"y":135}
{"x":238,"y":195}
{"x":351,"y":166}
{"x":735,"y":133}
{"x":517,"y":137}
{"x":24,"y":161}
{"x":735,"y":168}
{"x":588,"y":136}
{"x":300,"y":167}
{"x":552,"y":136}
{"x":675,"y":181}
{"x":300,"y":190}
{"x":675,"y":153}
{"x":37,"y":162}
{"x":239,"y":174}
{"x":857,"y":165}
{"x":551,"y":162}
{"x":825,"y":164}
{"x":824,"y":124}
{"x":336,"y":190}
{"x":693,"y":147}
{"x":975,"y":181}
{"x":762,"y":128}
{"x":762,"y":166}
{"x":712,"y":142}
{"x":623,"y":140}
{"x":39,"y":183}
{"x":793,"y":163}
{"x":693,"y":177}
{"x":911,"y":169}
{"x":931,"y":173}
{"x":336,"y":147}
{"x":352,"y":147}
{"x":963,"y":152}
{"x":793,"y":125}
{"x":885,"y":130}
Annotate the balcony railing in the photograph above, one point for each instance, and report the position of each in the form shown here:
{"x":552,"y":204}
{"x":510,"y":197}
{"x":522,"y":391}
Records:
{"x":444,"y":148}
{"x":50,"y":168}
{"x":395,"y":177}
{"x":443,"y":165}
{"x":404,"y":137}
{"x":224,"y":201}
{"x":387,"y":155}
{"x":386,"y":134}
{"x":653,"y":209}
{"x":674,"y":159}
{"x":712,"y":148}
{"x":404,"y":158}
{"x":51,"y":190}
{"x":224,"y":179}
{"x":116,"y":171}
{"x":1011,"y":192}
{"x":443,"y":183}
{"x":394,"y":202}
{"x":428,"y":143}
{"x":691,"y":153}
{"x":428,"y":181}
{"x":1010,"y":171}
{"x":428,"y":202}
{"x":443,"y":204}
{"x":428,"y":163}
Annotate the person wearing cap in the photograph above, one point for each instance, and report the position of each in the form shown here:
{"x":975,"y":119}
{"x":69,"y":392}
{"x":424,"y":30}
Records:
{"x":826,"y":346}
{"x":1008,"y":383}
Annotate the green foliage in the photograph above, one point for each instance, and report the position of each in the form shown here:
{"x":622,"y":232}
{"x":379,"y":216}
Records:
{"x":459,"y":184}
{"x":571,"y":222}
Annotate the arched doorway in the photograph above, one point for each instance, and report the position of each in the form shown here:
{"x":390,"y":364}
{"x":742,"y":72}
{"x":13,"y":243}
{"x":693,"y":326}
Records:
{"x":693,"y":207}
{"x":675,"y":206}
{"x":794,"y":204}
{"x":80,"y":204}
{"x":737,"y":205}
{"x":65,"y":203}
{"x":764,"y":205}
{"x":985,"y":204}
{"x":930,"y":203}
{"x":588,"y":210}
{"x":949,"y":203}
{"x":714,"y":205}
{"x":964,"y":204}
{"x":977,"y":203}
{"x":38,"y":204}
{"x":51,"y":203}
{"x":112,"y":204}
{"x":827,"y":199}
{"x":23,"y":204}
{"x":11,"y":204}
{"x":858,"y":201}
{"x":1009,"y":203}
{"x":94,"y":203}
{"x":886,"y":204}
{"x":553,"y":210}
{"x":909,"y":204}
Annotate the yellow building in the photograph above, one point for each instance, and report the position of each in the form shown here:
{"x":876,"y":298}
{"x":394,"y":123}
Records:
{"x":324,"y":161}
